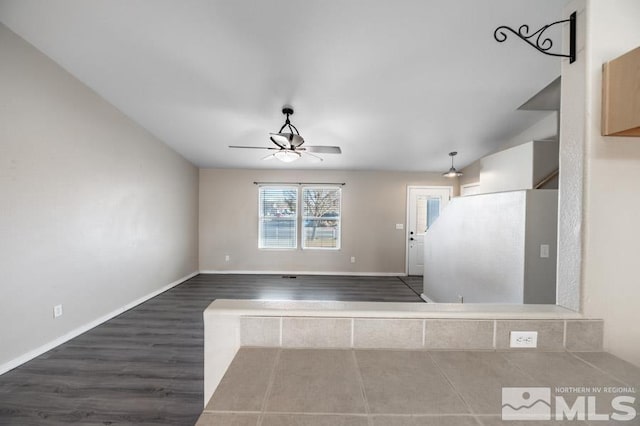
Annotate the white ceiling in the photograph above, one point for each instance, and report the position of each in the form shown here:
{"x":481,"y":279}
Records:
{"x":396,"y":83}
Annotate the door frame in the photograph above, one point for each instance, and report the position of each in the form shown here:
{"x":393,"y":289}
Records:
{"x":407,"y":212}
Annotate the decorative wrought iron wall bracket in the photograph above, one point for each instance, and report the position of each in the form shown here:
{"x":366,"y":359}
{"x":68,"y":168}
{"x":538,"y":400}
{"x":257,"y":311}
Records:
{"x":538,"y":41}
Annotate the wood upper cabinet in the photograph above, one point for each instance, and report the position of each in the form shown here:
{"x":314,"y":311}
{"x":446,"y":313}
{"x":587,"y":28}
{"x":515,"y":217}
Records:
{"x":621,"y":95}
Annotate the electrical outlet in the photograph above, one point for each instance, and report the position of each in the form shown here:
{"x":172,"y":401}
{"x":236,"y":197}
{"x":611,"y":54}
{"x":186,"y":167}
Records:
{"x":353,"y":259}
{"x":524,"y":339}
{"x":57,"y":311}
{"x":544,"y":250}
{"x":227,"y":258}
{"x":399,"y":225}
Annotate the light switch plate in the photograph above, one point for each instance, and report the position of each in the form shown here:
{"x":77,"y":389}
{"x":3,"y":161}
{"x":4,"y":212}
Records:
{"x":399,"y":225}
{"x":57,"y":311}
{"x":523,"y":339}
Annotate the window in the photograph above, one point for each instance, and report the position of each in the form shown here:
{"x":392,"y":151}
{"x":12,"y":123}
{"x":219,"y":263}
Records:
{"x":320,"y":210}
{"x":321,"y":217}
{"x":278,"y":223}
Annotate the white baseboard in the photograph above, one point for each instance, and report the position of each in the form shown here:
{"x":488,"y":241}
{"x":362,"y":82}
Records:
{"x":7,"y":366}
{"x":350,"y":274}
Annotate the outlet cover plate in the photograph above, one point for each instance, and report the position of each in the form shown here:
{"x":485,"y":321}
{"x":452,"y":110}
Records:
{"x":523,"y":339}
{"x":544,"y":251}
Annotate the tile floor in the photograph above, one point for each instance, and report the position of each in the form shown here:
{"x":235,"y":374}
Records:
{"x":327,"y":387}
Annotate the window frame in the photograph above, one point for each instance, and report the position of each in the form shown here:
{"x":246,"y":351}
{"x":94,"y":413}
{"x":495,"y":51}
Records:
{"x":304,"y":218}
{"x":261,"y":217}
{"x":299,"y":218}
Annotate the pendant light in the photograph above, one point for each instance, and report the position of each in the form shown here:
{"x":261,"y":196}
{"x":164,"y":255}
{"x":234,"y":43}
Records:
{"x":452,"y":171}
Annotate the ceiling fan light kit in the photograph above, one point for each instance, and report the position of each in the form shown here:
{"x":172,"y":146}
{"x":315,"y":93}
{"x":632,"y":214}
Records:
{"x":287,"y":156}
{"x":452,"y":171}
{"x":289,"y":143}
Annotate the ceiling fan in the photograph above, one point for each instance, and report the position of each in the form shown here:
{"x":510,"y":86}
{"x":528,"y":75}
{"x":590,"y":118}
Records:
{"x":289,"y":143}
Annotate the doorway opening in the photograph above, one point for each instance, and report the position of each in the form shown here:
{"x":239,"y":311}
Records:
{"x":424,"y":204}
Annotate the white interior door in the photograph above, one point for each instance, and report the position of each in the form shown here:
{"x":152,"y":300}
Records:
{"x":424,"y":205}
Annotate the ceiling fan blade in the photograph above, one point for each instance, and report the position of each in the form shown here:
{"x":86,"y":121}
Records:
{"x":323,"y":149}
{"x":251,"y":147}
{"x":313,"y":157}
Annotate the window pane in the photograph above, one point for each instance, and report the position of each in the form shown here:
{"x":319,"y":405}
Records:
{"x":321,"y":217}
{"x":427,"y":211}
{"x":278,"y":217}
{"x":433,"y":211}
{"x":320,"y":233}
{"x":278,"y":232}
{"x":421,"y":214}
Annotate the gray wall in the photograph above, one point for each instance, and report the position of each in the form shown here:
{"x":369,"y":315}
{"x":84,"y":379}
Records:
{"x":546,"y":155}
{"x":515,"y":168}
{"x":486,"y":248}
{"x":545,"y":129}
{"x":372,"y":204}
{"x":611,"y":203}
{"x":476,"y":250}
{"x":96,"y":212}
{"x":541,"y":228}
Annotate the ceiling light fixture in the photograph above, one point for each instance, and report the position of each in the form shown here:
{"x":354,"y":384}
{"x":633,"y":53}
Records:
{"x":452,"y":171}
{"x":289,"y":144}
{"x":287,"y":156}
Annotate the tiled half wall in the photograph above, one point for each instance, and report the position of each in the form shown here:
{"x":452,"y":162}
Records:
{"x":431,"y":334}
{"x":231,"y":324}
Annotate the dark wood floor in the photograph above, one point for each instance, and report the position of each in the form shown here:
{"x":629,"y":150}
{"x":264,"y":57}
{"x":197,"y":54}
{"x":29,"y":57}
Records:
{"x":146,"y":365}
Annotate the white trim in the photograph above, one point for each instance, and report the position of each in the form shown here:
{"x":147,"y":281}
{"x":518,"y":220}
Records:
{"x":303,"y":219}
{"x":10,"y":365}
{"x":353,"y":331}
{"x":467,"y":186}
{"x":351,"y":274}
{"x":426,"y":299}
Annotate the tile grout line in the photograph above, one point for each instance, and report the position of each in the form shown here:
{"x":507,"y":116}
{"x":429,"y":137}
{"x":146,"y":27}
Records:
{"x":367,"y":409}
{"x":311,"y":414}
{"x":517,"y":367}
{"x":267,"y":394}
{"x":606,"y":373}
{"x":495,"y":334}
{"x":353,"y":320}
{"x":443,"y":374}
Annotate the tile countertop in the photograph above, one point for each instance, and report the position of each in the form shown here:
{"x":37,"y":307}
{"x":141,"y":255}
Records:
{"x":307,"y":308}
